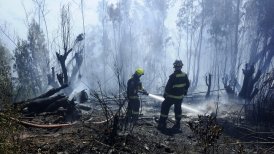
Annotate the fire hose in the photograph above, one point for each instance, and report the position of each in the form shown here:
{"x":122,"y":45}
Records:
{"x":36,"y":125}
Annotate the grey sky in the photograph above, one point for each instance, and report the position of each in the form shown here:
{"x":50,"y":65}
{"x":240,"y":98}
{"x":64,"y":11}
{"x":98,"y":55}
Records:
{"x":13,"y":17}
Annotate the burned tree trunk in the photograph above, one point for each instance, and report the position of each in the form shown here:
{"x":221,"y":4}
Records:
{"x":260,"y":109}
{"x":229,"y":85}
{"x":208,"y":83}
{"x":63,"y":79}
{"x":249,"y":81}
{"x":66,"y":38}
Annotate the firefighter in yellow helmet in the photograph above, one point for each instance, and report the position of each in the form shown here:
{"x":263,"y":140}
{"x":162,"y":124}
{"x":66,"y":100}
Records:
{"x":177,"y":86}
{"x":134,"y":86}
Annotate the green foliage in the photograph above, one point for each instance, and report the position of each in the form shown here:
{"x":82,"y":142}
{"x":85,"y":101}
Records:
{"x":8,"y":128}
{"x":10,"y":131}
{"x":5,"y":77}
{"x":32,"y":64}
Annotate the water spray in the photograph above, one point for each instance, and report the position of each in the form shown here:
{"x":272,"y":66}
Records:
{"x":158,"y":98}
{"x":187,"y":107}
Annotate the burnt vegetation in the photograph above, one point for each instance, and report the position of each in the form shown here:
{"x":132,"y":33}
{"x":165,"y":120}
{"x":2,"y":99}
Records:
{"x":67,"y":93}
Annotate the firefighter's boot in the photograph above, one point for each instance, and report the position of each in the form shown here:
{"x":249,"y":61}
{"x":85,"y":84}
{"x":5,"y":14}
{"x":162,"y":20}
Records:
{"x":177,"y":125}
{"x":162,"y":124}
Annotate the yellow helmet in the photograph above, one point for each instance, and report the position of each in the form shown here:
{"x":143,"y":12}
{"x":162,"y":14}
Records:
{"x":139,"y":71}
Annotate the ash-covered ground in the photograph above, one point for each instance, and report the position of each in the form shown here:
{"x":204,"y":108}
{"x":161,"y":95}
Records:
{"x":93,"y":134}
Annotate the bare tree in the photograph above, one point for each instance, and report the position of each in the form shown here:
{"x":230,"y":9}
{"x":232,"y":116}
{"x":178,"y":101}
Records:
{"x":42,"y":14}
{"x":66,"y":43}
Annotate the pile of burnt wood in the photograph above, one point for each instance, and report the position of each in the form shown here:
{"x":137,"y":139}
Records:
{"x":52,"y":103}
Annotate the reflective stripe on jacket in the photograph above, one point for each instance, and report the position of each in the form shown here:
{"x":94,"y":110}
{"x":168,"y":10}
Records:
{"x":175,"y":96}
{"x":177,"y":85}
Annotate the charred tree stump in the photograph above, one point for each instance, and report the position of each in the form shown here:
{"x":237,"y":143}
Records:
{"x":208,"y":83}
{"x":248,"y":72}
{"x":249,"y":81}
{"x":229,"y":86}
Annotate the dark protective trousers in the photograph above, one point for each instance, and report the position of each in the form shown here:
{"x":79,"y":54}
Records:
{"x":165,"y":107}
{"x":132,"y":111}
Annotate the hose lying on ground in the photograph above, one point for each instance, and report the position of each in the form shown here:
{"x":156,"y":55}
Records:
{"x":99,"y":122}
{"x":37,"y":125}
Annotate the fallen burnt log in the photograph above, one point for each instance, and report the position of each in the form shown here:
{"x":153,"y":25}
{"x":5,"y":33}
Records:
{"x":84,"y":107}
{"x":42,"y":104}
{"x":52,"y":91}
{"x":45,"y":95}
{"x":58,"y":104}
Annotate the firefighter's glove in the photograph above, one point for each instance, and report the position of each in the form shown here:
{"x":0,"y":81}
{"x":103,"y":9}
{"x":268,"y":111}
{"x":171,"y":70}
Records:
{"x":144,"y":92}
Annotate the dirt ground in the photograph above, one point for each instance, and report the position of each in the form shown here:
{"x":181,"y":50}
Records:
{"x":85,"y":136}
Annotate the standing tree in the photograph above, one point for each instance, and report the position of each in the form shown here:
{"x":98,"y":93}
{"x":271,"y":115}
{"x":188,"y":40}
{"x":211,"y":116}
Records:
{"x":39,"y":52}
{"x":8,"y":128}
{"x":67,"y":48}
{"x":208,"y":84}
{"x":261,"y":52}
{"x":65,"y":38}
{"x":259,"y":19}
{"x":32,"y":63}
{"x":5,"y":77}
{"x":191,"y":20}
{"x":187,"y":22}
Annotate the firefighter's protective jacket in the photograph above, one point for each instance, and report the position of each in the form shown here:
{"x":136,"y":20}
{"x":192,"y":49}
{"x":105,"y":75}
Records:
{"x":177,"y":85}
{"x":133,"y":86}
